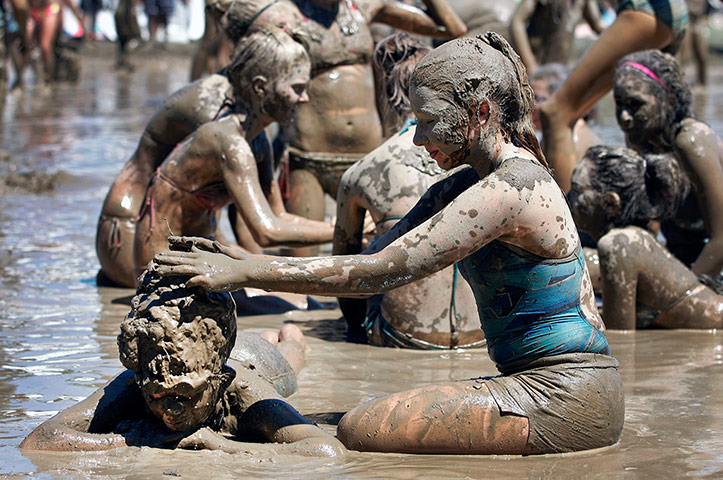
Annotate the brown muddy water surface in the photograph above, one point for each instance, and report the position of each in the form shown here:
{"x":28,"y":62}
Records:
{"x":58,"y":329}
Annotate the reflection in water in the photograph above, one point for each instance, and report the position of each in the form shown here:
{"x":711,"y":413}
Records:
{"x":57,"y":329}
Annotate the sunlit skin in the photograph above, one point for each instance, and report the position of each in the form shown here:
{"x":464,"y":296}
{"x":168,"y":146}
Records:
{"x":171,"y":414}
{"x":636,"y":268}
{"x":219,"y":153}
{"x":341,"y":116}
{"x":640,"y":104}
{"x":508,"y":197}
{"x":590,"y":80}
{"x":180,"y":115}
{"x":583,"y":136}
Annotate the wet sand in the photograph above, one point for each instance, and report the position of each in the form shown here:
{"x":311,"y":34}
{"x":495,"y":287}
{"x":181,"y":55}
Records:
{"x":57,"y":329}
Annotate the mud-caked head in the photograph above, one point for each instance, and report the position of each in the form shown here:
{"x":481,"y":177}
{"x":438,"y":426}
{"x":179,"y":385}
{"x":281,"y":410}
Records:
{"x":394,"y":60}
{"x":617,"y":187}
{"x":465,"y":92}
{"x":177,"y":341}
{"x":651,"y":98}
{"x":270,"y":73}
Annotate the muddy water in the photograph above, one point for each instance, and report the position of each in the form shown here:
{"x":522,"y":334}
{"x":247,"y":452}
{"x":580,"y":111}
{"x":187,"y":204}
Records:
{"x":57,"y":329}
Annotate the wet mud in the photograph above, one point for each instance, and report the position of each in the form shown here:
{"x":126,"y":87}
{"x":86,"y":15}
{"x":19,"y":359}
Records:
{"x":58,"y":329}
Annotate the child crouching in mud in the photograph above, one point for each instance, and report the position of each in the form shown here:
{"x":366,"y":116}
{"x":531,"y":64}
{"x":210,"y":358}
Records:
{"x":191,"y":383}
{"x":507,"y":223}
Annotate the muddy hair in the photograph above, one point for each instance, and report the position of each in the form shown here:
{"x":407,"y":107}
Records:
{"x":677,"y":95}
{"x":172,"y":329}
{"x":650,"y":188}
{"x":269,"y":52}
{"x":393,"y":62}
{"x":235,"y":17}
{"x":473,"y":69}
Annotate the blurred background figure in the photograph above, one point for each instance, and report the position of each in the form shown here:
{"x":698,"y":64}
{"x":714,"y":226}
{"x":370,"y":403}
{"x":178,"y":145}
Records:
{"x":129,"y":33}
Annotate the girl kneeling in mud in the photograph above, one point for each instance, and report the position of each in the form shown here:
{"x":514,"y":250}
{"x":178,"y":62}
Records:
{"x":507,"y":223}
{"x":615,"y":194}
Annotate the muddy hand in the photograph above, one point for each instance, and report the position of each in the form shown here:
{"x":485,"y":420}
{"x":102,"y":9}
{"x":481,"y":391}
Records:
{"x":216,"y":272}
{"x":187,"y":244}
{"x":202,"y":439}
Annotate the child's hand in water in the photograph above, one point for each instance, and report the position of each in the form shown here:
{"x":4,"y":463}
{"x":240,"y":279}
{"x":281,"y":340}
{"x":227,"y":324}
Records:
{"x":206,"y":439}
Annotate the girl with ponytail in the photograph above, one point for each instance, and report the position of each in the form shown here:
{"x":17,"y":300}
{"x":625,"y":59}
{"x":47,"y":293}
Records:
{"x":615,"y":194}
{"x":505,"y":222}
{"x":653,"y":109}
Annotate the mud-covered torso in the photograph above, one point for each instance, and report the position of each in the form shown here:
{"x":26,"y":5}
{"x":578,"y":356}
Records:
{"x":530,"y":306}
{"x":341,"y":115}
{"x":336,"y":37}
{"x":551,"y":29}
{"x":188,"y":109}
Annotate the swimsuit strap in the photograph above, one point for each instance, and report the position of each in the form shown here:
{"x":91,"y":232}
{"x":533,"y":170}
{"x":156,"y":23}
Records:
{"x":407,"y":125}
{"x":454,"y":316}
{"x":689,"y":292}
{"x":388,"y":219}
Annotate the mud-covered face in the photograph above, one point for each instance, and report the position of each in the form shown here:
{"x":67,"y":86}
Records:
{"x":441,"y":127}
{"x":638,"y":108}
{"x":289,"y":91}
{"x":181,"y":402}
{"x":586,"y":204}
{"x":542,"y":92}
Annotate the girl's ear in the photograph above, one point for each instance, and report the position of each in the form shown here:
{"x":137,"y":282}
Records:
{"x":613,"y":205}
{"x":483,"y":113}
{"x":259,"y":84}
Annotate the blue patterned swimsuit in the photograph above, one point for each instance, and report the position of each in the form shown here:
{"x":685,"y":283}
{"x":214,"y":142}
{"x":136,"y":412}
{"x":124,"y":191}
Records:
{"x":529,"y":306}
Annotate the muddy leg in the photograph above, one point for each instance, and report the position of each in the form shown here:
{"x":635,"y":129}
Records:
{"x":460,"y":417}
{"x":592,"y":78}
{"x":307,"y":200}
{"x":291,"y":344}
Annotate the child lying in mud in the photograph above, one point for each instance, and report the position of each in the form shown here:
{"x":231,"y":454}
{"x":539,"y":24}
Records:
{"x":438,"y":311}
{"x":224,"y":95}
{"x":191,"y":382}
{"x":653,"y":108}
{"x":615,"y":194}
{"x":507,"y":224}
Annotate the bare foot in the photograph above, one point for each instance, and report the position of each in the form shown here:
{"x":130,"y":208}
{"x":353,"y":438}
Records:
{"x":271,"y":337}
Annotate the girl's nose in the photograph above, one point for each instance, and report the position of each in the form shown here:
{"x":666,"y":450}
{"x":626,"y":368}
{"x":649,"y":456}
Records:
{"x":419,"y":138}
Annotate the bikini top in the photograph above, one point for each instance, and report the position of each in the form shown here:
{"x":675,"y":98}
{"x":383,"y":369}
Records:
{"x":529,"y":306}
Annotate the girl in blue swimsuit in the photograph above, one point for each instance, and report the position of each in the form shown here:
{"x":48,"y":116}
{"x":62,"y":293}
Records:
{"x":507,"y":224}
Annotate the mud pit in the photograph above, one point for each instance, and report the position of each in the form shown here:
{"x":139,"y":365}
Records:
{"x":58,"y":330}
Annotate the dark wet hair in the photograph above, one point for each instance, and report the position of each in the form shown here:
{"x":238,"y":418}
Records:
{"x":264,"y":52}
{"x":167,"y":319}
{"x":650,"y":188}
{"x":674,"y":90}
{"x":496,"y":74}
{"x":393,"y":62}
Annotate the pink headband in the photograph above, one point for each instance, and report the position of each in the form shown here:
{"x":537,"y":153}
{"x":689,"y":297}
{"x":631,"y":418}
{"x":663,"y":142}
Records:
{"x":649,"y":73}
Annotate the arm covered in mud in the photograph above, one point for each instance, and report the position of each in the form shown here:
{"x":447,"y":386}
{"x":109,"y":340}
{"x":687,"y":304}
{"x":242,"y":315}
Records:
{"x":270,"y":420}
{"x":699,"y":148}
{"x":268,"y":229}
{"x":462,"y":227}
{"x":348,"y":237}
{"x":81,"y":426}
{"x":439,"y":20}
